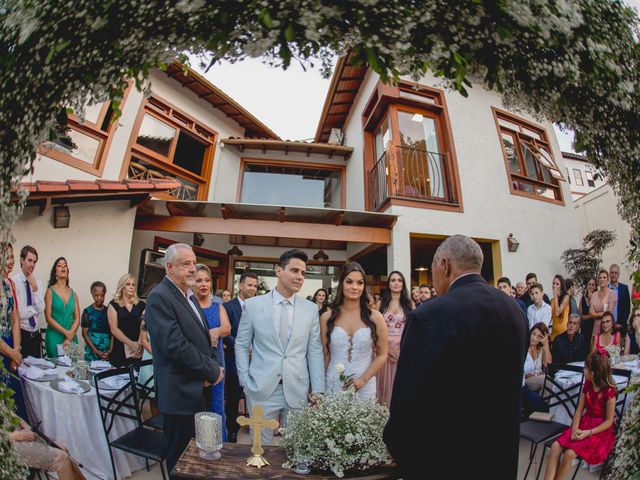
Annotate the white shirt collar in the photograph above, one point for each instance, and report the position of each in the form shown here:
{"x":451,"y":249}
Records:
{"x":278,"y":297}
{"x":189,"y":292}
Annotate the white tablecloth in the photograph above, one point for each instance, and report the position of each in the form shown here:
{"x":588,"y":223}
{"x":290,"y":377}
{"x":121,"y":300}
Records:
{"x":74,"y":421}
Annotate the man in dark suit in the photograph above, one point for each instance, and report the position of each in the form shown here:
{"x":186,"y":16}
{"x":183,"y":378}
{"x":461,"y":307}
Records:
{"x":455,"y":407}
{"x":623,"y":305}
{"x":185,"y":366}
{"x":248,"y":287}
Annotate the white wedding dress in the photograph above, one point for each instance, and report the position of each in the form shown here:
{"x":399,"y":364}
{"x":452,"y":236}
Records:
{"x":356,"y":354}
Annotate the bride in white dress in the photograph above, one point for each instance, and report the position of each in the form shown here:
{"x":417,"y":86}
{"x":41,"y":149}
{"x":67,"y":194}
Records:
{"x":353,"y":335}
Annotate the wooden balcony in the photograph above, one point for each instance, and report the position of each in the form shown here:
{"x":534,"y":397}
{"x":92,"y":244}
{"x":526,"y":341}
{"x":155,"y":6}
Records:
{"x":411,"y":174}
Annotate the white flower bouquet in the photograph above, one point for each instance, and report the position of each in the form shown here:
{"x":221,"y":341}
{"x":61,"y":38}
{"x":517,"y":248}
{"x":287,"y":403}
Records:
{"x":339,"y":432}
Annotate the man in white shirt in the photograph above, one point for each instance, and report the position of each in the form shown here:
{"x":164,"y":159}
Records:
{"x":539,"y":311}
{"x":30,"y":295}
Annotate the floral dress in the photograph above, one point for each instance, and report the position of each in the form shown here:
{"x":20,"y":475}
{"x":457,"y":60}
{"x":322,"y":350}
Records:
{"x":99,"y":333}
{"x":395,"y":325}
{"x":594,"y":449}
{"x":212,"y":313}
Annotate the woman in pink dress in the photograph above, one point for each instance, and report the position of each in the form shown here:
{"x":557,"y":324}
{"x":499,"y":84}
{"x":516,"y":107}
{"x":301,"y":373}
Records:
{"x":395,"y":306}
{"x":602,"y":301}
{"x":591,"y":433}
{"x":606,"y":337}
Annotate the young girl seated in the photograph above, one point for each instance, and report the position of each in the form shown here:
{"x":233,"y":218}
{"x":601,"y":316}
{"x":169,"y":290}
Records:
{"x":95,"y":326}
{"x":591,"y":434}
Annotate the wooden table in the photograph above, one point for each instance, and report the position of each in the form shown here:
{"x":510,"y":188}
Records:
{"x":232,"y":465}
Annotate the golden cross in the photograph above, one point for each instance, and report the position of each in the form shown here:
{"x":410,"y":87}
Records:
{"x":257,"y":422}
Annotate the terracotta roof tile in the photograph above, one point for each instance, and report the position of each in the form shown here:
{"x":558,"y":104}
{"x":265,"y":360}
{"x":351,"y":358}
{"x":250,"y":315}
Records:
{"x":51,"y":187}
{"x":48,"y":186}
{"x":82,"y":185}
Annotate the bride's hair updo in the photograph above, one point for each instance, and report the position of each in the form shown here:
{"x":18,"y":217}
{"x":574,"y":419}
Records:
{"x":365,"y":311}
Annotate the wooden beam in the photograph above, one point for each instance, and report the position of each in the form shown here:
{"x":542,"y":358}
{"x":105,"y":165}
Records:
{"x":44,"y":206}
{"x":281,"y":217}
{"x":264,"y":228}
{"x":339,"y":219}
{"x":347,"y":90}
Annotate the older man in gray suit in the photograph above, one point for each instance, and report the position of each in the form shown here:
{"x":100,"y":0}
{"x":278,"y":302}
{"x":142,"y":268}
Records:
{"x":283,"y":331}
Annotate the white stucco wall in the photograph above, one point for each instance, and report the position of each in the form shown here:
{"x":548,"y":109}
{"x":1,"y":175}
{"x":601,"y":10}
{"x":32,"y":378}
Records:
{"x":598,"y":210}
{"x":491,"y":212}
{"x":96,"y":245}
{"x":579,"y":190}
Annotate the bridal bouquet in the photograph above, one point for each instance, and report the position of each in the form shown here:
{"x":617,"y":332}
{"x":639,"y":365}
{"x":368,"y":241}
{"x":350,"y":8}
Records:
{"x":339,"y":432}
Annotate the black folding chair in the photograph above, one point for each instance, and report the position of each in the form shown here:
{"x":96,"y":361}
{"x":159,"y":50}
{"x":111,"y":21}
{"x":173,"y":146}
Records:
{"x":620,"y":405}
{"x":554,"y":395}
{"x":141,"y":441}
{"x":145,"y":393}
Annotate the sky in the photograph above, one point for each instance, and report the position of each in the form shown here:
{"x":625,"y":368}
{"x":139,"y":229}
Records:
{"x":290,"y":101}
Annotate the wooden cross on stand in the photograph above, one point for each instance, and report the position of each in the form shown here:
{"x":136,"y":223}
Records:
{"x":257,"y":422}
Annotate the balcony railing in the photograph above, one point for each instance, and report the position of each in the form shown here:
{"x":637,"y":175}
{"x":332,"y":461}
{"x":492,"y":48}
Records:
{"x":186,"y":191}
{"x":411,"y":174}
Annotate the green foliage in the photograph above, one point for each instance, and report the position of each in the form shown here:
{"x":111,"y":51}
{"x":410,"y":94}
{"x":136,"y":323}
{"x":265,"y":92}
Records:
{"x":573,"y":62}
{"x":10,"y":468}
{"x":583,"y":263}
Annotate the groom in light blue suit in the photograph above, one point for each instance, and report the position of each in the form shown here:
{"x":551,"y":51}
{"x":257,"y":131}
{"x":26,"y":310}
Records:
{"x":283,"y":331}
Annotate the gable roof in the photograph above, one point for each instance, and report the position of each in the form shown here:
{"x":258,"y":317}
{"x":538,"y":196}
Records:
{"x":219,"y":100}
{"x":344,"y":87}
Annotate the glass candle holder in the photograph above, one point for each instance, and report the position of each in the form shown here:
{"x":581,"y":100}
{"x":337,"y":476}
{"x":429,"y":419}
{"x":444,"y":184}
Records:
{"x":209,"y":435}
{"x":81,"y":370}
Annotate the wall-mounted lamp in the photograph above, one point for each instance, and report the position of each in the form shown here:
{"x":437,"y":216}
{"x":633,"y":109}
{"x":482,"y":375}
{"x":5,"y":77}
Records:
{"x":321,"y":256}
{"x":198,"y":239}
{"x":512,"y":243}
{"x":421,"y":269}
{"x":235,"y":251}
{"x":61,"y":217}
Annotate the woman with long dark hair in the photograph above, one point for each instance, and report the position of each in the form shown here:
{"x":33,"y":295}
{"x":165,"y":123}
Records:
{"x":395,"y":306}
{"x":351,"y":334}
{"x":560,"y":307}
{"x":320,"y":298}
{"x":61,"y":310}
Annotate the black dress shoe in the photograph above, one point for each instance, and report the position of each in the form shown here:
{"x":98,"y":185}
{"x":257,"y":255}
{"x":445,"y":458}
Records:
{"x":233,"y":437}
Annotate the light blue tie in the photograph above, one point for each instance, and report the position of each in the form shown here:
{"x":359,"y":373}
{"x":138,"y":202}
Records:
{"x":284,"y":323}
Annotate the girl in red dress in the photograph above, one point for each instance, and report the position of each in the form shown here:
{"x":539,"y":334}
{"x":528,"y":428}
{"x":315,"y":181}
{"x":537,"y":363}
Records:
{"x":591,"y":434}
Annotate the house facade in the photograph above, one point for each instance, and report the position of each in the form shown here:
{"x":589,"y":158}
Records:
{"x":393,"y":170}
{"x":582,"y":176}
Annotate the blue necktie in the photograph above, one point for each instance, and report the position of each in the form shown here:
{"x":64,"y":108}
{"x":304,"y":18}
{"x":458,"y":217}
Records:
{"x":32,"y":320}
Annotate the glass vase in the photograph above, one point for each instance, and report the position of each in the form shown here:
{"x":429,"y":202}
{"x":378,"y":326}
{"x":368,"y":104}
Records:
{"x":209,"y":435}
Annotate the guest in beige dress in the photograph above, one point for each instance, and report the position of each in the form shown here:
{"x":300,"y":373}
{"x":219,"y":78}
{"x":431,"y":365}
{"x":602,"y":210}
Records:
{"x":604,"y":300}
{"x":395,"y":306}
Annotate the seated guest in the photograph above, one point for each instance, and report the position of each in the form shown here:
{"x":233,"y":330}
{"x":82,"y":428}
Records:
{"x":425,"y":292}
{"x":219,"y":327}
{"x":560,"y":306}
{"x":539,"y":310}
{"x":504,"y":284}
{"x":570,"y":346}
{"x":61,"y":309}
{"x":538,"y":357}
{"x":586,"y":320}
{"x":30,"y":300}
{"x":633,"y":334}
{"x":35,"y":453}
{"x":125,"y":315}
{"x":591,"y":433}
{"x":527,"y":298}
{"x":606,"y":337}
{"x":95,"y":326}
{"x":604,"y":300}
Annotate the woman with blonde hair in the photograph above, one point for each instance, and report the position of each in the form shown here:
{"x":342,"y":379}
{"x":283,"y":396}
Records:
{"x":125,"y":315}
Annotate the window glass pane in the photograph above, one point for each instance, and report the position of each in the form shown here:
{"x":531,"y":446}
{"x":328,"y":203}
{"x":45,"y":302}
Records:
{"x":382,"y":138}
{"x":508,"y":124}
{"x":412,"y":131}
{"x":80,"y":146}
{"x":304,"y":187}
{"x":510,"y":149}
{"x":416,"y":97}
{"x":546,"y":192}
{"x":92,"y":112}
{"x":531,"y":133}
{"x":189,"y":153}
{"x":529,"y":161}
{"x":578,"y":176}
{"x":155,"y":135}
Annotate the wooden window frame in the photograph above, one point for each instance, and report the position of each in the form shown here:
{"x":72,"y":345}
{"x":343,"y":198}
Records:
{"x":91,"y":129}
{"x":244,"y":161}
{"x":543,"y":140}
{"x":184,"y":123}
{"x":386,"y":100}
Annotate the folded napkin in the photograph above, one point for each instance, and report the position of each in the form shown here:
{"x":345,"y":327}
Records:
{"x":38,"y":362}
{"x":70,"y":386}
{"x":116,"y":382}
{"x":64,"y":360}
{"x":32,"y":373}
{"x":100,"y":365}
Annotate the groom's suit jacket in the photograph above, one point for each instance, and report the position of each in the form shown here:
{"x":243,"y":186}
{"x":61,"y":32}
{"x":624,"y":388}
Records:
{"x":298,"y":365}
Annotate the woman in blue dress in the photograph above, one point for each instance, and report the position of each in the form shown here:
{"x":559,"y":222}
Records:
{"x":10,"y":331}
{"x":219,"y":327}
